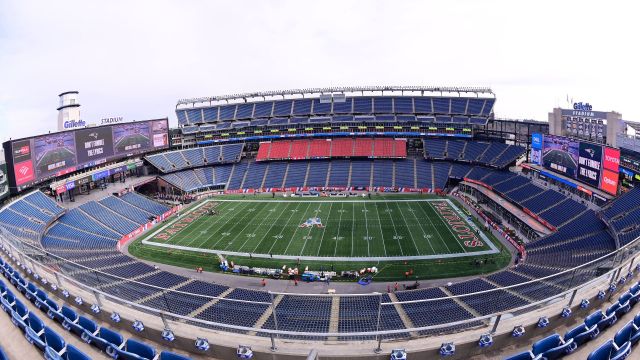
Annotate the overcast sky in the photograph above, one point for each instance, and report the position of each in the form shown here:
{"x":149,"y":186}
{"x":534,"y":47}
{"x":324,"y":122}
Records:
{"x":137,"y":58}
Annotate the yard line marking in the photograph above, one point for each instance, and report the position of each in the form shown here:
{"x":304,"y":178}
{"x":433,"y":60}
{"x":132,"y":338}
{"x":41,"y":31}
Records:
{"x":394,"y":229}
{"x":288,"y":220}
{"x":271,"y":227}
{"x":201,"y":241}
{"x":293,"y":236}
{"x":366,"y":225}
{"x":221,"y":227}
{"x":424,"y":233}
{"x":435,"y":228}
{"x":258,"y":226}
{"x":324,"y":229}
{"x":353,"y":220}
{"x":335,"y":250}
{"x":247,"y":223}
{"x":410,"y":232}
{"x":384,"y":247}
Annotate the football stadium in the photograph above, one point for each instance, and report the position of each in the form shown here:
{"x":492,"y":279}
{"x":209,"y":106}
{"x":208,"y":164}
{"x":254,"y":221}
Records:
{"x":330,"y":223}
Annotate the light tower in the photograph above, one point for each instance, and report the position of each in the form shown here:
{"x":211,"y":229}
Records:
{"x":69,"y":111}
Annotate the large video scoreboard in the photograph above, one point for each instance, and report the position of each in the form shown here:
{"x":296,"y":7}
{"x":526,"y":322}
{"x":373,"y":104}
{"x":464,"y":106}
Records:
{"x":593,"y":164}
{"x":36,"y":159}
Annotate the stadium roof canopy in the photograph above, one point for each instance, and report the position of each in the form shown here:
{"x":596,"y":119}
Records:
{"x":439,"y":90}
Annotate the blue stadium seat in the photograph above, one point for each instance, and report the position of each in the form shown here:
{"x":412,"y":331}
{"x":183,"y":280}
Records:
{"x":20,"y":315}
{"x":629,"y":332}
{"x":136,"y":350}
{"x":3,"y":355}
{"x":8,"y":300}
{"x":581,"y":334}
{"x":35,"y":331}
{"x":73,"y":353}
{"x":609,"y":351}
{"x":527,"y":355}
{"x":84,"y":327}
{"x":56,"y":346}
{"x":552,"y":347}
{"x":107,"y":340}
{"x":166,"y":355}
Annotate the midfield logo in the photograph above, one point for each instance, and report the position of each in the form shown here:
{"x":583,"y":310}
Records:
{"x":311,"y":222}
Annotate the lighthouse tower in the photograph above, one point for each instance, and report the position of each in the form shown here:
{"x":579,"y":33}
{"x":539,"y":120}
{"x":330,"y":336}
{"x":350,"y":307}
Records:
{"x":69,"y":111}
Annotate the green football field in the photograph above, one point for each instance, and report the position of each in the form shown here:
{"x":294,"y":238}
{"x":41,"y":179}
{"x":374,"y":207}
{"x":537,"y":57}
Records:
{"x":326,"y":228}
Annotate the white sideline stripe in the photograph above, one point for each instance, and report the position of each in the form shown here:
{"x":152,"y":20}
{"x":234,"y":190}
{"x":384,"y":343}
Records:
{"x":493,"y":250}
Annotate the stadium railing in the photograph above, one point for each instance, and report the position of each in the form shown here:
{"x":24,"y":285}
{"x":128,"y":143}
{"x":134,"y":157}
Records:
{"x":497,"y":314}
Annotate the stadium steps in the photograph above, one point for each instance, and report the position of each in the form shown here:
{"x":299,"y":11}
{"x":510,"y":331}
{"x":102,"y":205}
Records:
{"x":552,"y":206}
{"x":433,"y":177}
{"x":233,"y":170}
{"x":547,"y":282}
{"x":499,"y":155}
{"x":184,"y":158}
{"x":464,"y":148}
{"x":125,"y":203}
{"x":371,"y":175}
{"x":514,"y":293}
{"x":457,"y":300}
{"x":161,"y":293}
{"x":393,"y":172}
{"x":515,"y":188}
{"x":43,"y":210}
{"x":202,"y":180}
{"x":406,"y":320}
{"x":103,"y":268}
{"x":415,"y":174}
{"x":530,"y":197}
{"x":210,"y":303}
{"x":246,"y":171}
{"x":85,"y":231}
{"x":573,"y":218}
{"x":482,"y":154}
{"x":31,"y":219}
{"x":350,"y":171}
{"x":266,"y":314}
{"x":286,"y":173}
{"x":306,"y":174}
{"x":124,"y":281}
{"x":264,"y":176}
{"x":326,"y":181}
{"x":334,"y":319}
{"x":564,"y":242}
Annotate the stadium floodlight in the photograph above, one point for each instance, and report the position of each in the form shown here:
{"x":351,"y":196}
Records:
{"x":447,"y":349}
{"x":54,"y":287}
{"x":612,"y":287}
{"x":79,"y":300}
{"x":518,"y":331}
{"x":486,"y":340}
{"x":202,"y":344}
{"x":398,"y":354}
{"x":138,"y":326}
{"x":167,"y":335}
{"x":95,"y":308}
{"x":65,"y":293}
{"x":244,"y":352}
{"x":566,"y":312}
{"x":44,"y":281}
{"x":115,"y":317}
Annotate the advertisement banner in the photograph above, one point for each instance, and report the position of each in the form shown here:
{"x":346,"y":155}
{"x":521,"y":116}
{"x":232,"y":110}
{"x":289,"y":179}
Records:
{"x":536,"y":141}
{"x":24,"y":172}
{"x":611,"y":159}
{"x":561,"y":154}
{"x":609,"y":181}
{"x":536,"y":156}
{"x":590,"y":163}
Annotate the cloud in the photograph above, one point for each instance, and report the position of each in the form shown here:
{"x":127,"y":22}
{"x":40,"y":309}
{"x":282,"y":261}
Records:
{"x":136,"y":59}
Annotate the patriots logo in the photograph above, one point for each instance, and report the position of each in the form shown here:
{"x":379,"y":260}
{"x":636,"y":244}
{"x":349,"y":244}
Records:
{"x":591,"y":152}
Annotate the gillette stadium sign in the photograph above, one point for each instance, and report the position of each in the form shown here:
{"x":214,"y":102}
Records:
{"x":72,"y":124}
{"x":111,"y":120}
{"x":582,"y":106}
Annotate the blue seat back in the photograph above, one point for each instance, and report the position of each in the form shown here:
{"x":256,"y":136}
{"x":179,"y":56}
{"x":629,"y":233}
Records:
{"x":140,"y":348}
{"x":73,"y":353}
{"x":624,"y":298}
{"x":624,"y":334}
{"x":32,"y":288}
{"x":545,"y":344}
{"x":68,"y":313}
{"x":111,"y":336}
{"x":87,"y":324}
{"x":35,"y":323}
{"x":622,"y":352}
{"x":21,"y":309}
{"x":53,"y":340}
{"x":603,"y":352}
{"x":52,"y":305}
{"x":166,"y":355}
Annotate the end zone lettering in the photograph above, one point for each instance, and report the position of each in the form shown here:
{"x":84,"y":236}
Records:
{"x":459,"y":227}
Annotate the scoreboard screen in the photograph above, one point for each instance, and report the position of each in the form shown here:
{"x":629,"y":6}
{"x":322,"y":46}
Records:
{"x":593,"y":164}
{"x":36,"y":159}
